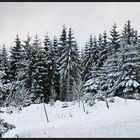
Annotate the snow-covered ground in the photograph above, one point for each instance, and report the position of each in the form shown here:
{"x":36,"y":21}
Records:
{"x":121,"y":120}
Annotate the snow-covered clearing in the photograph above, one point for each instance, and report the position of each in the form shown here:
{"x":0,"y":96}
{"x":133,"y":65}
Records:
{"x":121,"y":120}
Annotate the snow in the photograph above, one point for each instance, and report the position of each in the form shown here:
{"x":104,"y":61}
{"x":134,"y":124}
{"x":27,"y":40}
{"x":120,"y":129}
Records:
{"x":132,"y":83}
{"x":121,"y":120}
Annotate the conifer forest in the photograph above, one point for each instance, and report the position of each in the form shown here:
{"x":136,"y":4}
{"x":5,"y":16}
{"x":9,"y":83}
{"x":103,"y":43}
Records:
{"x":36,"y":71}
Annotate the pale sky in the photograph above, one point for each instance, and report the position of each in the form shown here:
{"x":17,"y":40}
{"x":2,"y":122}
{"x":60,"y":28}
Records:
{"x":84,"y":18}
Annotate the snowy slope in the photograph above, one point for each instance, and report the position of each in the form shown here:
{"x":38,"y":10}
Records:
{"x":121,"y":120}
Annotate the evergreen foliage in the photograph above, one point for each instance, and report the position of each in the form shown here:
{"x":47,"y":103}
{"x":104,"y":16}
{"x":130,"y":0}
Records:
{"x":55,"y":69}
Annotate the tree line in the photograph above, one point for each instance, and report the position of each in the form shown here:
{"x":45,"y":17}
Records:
{"x":50,"y":70}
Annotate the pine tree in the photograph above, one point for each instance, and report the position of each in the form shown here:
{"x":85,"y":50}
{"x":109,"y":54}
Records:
{"x":62,"y":40}
{"x":40,"y":77}
{"x":100,"y":42}
{"x":61,"y":46}
{"x":37,"y":70}
{"x":91,"y":56}
{"x":15,"y":71}
{"x":51,"y":66}
{"x":52,"y":69}
{"x":28,"y":59}
{"x":103,"y":86}
{"x":103,"y":51}
{"x":4,"y":74}
{"x":91,"y":86}
{"x":95,"y":51}
{"x":76,"y":72}
{"x":5,"y":65}
{"x":129,"y":56}
{"x":47,"y":42}
{"x":128,"y":32}
{"x":3,"y":89}
{"x":15,"y":59}
{"x":56,"y":68}
{"x":112,"y":67}
{"x":69,"y":66}
{"x":29,"y":62}
{"x":115,"y":37}
{"x":84,"y":59}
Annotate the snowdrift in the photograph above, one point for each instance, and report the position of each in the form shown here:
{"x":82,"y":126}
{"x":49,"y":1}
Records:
{"x":121,"y":120}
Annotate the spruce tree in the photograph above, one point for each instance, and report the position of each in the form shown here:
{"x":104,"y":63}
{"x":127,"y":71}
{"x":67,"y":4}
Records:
{"x":69,"y":66}
{"x":95,"y":51}
{"x":91,"y":86}
{"x":128,"y":32}
{"x":61,"y":46}
{"x":5,"y":65}
{"x":40,"y":77}
{"x":91,"y":56}
{"x":62,"y":40}
{"x":51,"y":66}
{"x":103,"y":50}
{"x":35,"y":71}
{"x":115,"y":37}
{"x":16,"y":86}
{"x":56,"y":68}
{"x":15,"y":59}
{"x":129,"y":85}
{"x":28,"y":70}
{"x":100,"y":42}
{"x":31,"y":50}
{"x":50,"y":52}
{"x":112,"y":67}
{"x":84,"y":59}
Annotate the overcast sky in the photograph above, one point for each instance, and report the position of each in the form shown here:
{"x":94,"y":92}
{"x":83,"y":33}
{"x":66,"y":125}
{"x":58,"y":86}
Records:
{"x":84,"y":18}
